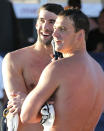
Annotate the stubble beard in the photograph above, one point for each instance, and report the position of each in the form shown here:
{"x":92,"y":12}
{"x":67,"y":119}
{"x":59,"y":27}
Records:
{"x":47,"y":42}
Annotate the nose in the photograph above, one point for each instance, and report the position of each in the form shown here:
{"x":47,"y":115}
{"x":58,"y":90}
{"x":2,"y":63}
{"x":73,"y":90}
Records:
{"x":47,"y":26}
{"x":55,"y":33}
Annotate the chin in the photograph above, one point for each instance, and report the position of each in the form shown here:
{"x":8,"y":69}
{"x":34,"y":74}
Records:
{"x":59,"y":49}
{"x":46,"y":42}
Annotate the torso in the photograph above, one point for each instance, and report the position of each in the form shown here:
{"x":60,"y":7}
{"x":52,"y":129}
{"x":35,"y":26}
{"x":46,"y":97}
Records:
{"x":79,"y":99}
{"x":31,"y":74}
{"x":31,"y":69}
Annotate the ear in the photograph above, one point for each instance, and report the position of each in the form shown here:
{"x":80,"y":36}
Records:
{"x":36,"y":24}
{"x":80,"y":35}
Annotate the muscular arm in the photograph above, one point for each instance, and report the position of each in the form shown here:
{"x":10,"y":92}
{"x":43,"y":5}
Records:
{"x":39,"y":95}
{"x":13,"y":81}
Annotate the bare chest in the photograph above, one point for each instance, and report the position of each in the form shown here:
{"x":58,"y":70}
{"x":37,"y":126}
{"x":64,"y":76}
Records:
{"x":31,"y":75}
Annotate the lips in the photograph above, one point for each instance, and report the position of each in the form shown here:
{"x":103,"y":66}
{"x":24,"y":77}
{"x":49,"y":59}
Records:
{"x":46,"y":35}
{"x":58,"y":42}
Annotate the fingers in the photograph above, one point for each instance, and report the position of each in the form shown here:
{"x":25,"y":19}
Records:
{"x":13,"y":95}
{"x":13,"y":109}
{"x":11,"y":103}
{"x":9,"y":106}
{"x":13,"y":106}
{"x":16,"y":94}
{"x":15,"y":103}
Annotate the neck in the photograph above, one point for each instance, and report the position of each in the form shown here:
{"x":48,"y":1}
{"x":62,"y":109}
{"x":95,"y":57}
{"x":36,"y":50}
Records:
{"x":75,"y":50}
{"x":43,"y":50}
{"x":69,"y":54}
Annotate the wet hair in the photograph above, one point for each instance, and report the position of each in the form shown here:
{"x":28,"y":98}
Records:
{"x":80,"y":20}
{"x":52,"y":7}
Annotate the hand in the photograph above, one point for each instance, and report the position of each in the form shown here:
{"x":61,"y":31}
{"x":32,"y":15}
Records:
{"x":15,"y":102}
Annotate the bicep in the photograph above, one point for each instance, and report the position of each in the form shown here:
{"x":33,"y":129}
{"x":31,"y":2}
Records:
{"x":45,"y":88}
{"x":12,"y":78}
{"x":39,"y":95}
{"x":47,"y":84}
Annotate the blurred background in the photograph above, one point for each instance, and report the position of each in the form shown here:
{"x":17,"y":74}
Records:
{"x":19,"y":16}
{"x":17,"y":30}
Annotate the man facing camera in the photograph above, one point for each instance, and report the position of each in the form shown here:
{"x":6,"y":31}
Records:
{"x":22,"y":68}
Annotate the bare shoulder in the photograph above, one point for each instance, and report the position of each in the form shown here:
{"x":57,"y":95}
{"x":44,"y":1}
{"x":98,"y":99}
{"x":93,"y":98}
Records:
{"x":63,"y":64}
{"x":16,"y":58}
{"x":55,"y":69}
{"x":54,"y":66}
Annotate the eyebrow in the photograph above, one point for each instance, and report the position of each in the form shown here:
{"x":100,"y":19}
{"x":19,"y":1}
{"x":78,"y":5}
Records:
{"x":51,"y":20}
{"x":59,"y":27}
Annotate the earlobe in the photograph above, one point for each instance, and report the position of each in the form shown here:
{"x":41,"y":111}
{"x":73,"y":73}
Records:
{"x":80,"y":34}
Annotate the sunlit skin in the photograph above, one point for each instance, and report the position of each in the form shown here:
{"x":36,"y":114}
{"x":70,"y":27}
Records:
{"x":74,"y":79}
{"x":65,"y":36}
{"x":24,"y":66}
{"x":44,"y":26}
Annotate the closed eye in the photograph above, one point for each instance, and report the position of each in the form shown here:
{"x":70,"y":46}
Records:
{"x":51,"y":21}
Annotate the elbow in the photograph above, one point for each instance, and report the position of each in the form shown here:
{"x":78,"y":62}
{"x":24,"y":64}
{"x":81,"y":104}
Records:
{"x":27,"y":118}
{"x":24,"y":118}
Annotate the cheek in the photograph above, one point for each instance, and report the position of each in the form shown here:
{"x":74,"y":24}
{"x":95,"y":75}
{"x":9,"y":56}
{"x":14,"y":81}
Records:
{"x":38,"y":26}
{"x":66,"y":38}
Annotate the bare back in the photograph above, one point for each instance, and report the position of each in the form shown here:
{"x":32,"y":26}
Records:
{"x":79,"y":99}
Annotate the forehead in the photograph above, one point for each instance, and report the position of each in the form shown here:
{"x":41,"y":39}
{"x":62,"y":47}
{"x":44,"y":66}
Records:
{"x":47,"y":14}
{"x":64,"y":21}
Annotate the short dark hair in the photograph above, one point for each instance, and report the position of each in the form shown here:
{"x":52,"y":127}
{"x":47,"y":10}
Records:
{"x":52,"y":7}
{"x":74,"y":3}
{"x":79,"y":19}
